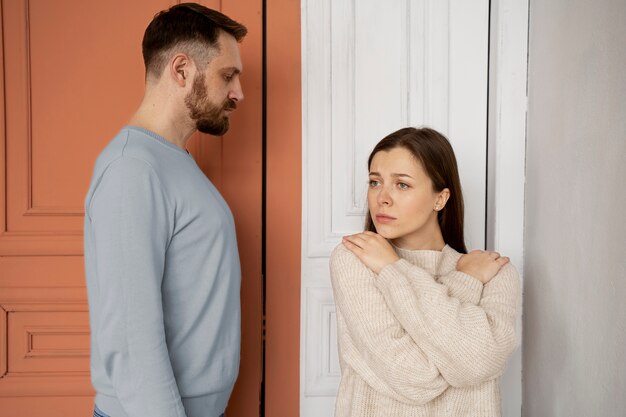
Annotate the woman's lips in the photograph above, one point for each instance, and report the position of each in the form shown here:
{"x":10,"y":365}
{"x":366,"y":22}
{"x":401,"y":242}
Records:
{"x":383,"y":218}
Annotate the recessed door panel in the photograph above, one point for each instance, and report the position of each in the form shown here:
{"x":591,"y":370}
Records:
{"x":72,"y":75}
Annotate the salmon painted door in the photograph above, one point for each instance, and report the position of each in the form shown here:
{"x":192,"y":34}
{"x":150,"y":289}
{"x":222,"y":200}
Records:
{"x":72,"y":75}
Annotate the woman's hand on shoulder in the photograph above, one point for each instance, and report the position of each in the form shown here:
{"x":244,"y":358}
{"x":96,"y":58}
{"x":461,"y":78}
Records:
{"x":372,"y":249}
{"x":482,"y":265}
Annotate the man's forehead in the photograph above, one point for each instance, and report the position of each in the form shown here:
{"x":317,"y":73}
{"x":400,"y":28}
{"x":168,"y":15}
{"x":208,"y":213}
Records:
{"x":227,"y":62}
{"x":227,"y":42}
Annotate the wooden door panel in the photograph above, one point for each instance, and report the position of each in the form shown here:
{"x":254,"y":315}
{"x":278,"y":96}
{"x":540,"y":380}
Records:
{"x":48,"y":341}
{"x":239,"y":179}
{"x":40,"y":271}
{"x":72,"y":74}
{"x":64,"y":100}
{"x":283,"y":208}
{"x":45,"y":339}
{"x":43,"y":328}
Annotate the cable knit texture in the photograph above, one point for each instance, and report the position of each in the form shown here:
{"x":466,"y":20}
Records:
{"x":421,"y":339}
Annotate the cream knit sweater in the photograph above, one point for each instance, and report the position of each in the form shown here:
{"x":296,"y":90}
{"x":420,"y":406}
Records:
{"x":421,"y":339}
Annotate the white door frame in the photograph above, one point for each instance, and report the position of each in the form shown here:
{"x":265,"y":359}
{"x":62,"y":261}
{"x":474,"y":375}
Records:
{"x":507,"y":152}
{"x":506,"y":157}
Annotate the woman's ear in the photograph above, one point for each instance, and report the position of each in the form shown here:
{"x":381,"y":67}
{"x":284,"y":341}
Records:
{"x":442,"y":199}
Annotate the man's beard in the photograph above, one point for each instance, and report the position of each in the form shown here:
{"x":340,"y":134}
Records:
{"x":209,"y":118}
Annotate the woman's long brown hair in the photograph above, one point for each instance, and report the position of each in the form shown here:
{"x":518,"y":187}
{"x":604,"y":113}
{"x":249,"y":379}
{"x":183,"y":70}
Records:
{"x":436,"y":155}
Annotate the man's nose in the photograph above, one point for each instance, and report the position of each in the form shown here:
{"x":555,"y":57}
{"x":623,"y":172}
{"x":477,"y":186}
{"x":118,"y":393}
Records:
{"x":237,"y":92}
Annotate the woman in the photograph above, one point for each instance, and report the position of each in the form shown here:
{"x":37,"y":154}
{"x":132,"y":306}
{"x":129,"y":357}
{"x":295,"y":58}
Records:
{"x":423,"y":330}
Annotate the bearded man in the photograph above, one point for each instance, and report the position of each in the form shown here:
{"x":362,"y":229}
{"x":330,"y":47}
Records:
{"x":161,"y":259}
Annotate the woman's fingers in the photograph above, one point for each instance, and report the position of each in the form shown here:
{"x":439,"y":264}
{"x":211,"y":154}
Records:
{"x":503,"y":260}
{"x":483,"y":265}
{"x":355,"y":240}
{"x":359,"y":239}
{"x":352,"y":247}
{"x":372,"y":249}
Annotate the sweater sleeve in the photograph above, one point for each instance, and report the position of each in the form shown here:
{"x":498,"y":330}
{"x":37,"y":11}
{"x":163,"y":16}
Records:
{"x":381,"y":342}
{"x":131,"y":225}
{"x":462,"y":286}
{"x":468,"y":342}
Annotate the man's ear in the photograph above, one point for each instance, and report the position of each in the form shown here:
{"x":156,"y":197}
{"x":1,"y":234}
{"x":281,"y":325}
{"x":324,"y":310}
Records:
{"x":442,"y":199}
{"x":180,"y":68}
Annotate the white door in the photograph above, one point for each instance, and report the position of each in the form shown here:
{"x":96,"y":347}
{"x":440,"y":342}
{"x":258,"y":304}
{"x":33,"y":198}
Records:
{"x":371,"y":67}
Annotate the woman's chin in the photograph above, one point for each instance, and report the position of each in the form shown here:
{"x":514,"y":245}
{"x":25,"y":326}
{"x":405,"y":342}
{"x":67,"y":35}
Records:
{"x":386,"y":233}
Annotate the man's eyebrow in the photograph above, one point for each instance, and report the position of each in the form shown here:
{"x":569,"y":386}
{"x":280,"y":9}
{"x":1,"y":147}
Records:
{"x":396,"y":175}
{"x":235,"y":70}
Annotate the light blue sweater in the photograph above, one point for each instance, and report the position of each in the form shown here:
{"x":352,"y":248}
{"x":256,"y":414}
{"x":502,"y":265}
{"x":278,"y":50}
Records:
{"x":163,"y":281}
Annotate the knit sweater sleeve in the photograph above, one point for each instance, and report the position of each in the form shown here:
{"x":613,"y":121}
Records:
{"x":468,"y":342}
{"x":131,"y":227}
{"x":462,"y":286}
{"x":380,"y":340}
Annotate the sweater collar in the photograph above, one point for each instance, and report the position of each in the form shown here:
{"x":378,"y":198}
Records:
{"x":432,"y":261}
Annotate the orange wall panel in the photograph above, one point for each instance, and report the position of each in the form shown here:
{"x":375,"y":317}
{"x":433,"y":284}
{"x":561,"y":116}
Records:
{"x":284,"y":208}
{"x":44,"y":341}
{"x":72,"y":75}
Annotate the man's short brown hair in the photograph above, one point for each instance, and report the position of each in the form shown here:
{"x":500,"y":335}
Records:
{"x":192,"y":28}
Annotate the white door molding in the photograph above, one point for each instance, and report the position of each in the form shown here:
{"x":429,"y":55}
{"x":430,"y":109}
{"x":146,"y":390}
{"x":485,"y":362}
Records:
{"x":352,"y":97}
{"x":506,"y":159}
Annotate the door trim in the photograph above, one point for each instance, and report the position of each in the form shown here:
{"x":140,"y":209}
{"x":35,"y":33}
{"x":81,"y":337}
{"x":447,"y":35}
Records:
{"x":283,"y":208}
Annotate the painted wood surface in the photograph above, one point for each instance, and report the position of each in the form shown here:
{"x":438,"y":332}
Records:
{"x":370,"y":68}
{"x":72,"y":75}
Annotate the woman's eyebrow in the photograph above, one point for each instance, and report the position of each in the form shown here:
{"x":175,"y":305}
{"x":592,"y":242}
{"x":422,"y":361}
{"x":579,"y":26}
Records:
{"x":401,"y":175}
{"x":395,"y":175}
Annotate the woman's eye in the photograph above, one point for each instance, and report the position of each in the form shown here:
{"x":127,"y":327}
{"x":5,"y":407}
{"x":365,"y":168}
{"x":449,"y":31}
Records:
{"x":403,"y":186}
{"x":374,"y":183}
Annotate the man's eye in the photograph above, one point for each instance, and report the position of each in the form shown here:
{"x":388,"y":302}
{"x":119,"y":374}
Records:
{"x":228,"y":77}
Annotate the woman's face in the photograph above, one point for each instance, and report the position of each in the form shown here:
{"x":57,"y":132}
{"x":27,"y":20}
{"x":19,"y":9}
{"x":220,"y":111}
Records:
{"x":402,"y":202}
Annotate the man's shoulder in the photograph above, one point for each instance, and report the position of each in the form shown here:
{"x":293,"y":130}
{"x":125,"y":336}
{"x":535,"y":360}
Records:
{"x":133,"y":149}
{"x":111,"y":151}
{"x":129,"y":167}
{"x":116,"y":168}
{"x":140,"y":145}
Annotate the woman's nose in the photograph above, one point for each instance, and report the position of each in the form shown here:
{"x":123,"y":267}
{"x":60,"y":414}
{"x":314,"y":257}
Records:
{"x":384,"y":198}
